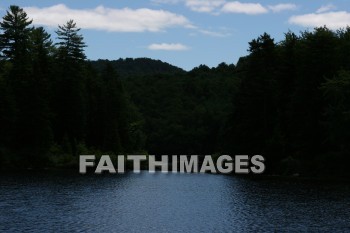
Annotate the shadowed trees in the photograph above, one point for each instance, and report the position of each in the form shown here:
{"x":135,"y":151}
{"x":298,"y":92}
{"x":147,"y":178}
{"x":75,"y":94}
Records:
{"x":45,"y":96}
{"x":292,"y":102}
{"x":287,"y":100}
{"x":21,"y":48}
{"x":69,"y":89}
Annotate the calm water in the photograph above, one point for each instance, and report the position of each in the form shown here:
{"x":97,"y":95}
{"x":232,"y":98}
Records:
{"x":169,"y":203}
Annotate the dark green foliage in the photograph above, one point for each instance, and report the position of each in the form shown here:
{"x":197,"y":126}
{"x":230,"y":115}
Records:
{"x":69,"y":88}
{"x":255,"y":102}
{"x":184,"y":113}
{"x":71,"y":45}
{"x":7,"y":113}
{"x":15,"y":28}
{"x":114,"y":123}
{"x":53,"y":103}
{"x":26,"y":87}
{"x":336,"y":92}
{"x":137,"y":67}
{"x":288,"y":101}
{"x":292,"y":103}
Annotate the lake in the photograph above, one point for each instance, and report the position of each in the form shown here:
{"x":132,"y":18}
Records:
{"x":54,"y":202}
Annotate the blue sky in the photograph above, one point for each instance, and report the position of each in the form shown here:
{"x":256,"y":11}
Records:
{"x":185,"y":33}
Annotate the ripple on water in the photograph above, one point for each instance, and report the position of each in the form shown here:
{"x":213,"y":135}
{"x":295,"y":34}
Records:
{"x":169,"y":203}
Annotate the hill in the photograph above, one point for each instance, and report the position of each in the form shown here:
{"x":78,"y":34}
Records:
{"x":138,"y":66}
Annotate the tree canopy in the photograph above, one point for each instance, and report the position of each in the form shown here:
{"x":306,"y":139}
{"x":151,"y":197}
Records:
{"x":287,"y":100}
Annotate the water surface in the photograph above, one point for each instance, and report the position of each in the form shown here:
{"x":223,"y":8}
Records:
{"x":54,"y":202}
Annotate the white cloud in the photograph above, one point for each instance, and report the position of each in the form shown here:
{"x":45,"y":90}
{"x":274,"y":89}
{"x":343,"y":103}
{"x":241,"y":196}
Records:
{"x":218,"y":6}
{"x":214,"y":34}
{"x":282,"y":7}
{"x":166,"y":1}
{"x":195,"y":5}
{"x":109,"y":19}
{"x":333,"y":20}
{"x":326,"y":8}
{"x":244,"y":8}
{"x":204,"y":5}
{"x":168,"y":47}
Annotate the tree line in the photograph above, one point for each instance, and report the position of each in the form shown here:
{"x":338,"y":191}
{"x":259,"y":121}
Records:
{"x":287,"y":100}
{"x":293,"y":102}
{"x":53,"y":102}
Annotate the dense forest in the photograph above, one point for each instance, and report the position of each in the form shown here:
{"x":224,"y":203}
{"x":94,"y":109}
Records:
{"x":287,"y":100}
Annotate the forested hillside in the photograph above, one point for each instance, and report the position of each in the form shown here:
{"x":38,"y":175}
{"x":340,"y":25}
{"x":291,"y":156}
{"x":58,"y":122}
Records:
{"x":139,"y":66}
{"x":287,"y":100}
{"x":184,"y":114}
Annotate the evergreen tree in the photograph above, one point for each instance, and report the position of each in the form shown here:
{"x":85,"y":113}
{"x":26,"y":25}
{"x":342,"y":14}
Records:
{"x":70,"y":92}
{"x":71,"y":45}
{"x":15,"y":33}
{"x":253,"y":120}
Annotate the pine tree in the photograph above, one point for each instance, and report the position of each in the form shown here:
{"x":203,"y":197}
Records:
{"x":70,"y":90}
{"x":31,"y":131}
{"x":16,"y":31}
{"x":72,"y":44}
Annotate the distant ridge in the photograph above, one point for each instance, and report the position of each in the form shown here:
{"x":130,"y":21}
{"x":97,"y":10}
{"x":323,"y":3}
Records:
{"x":137,"y":66}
